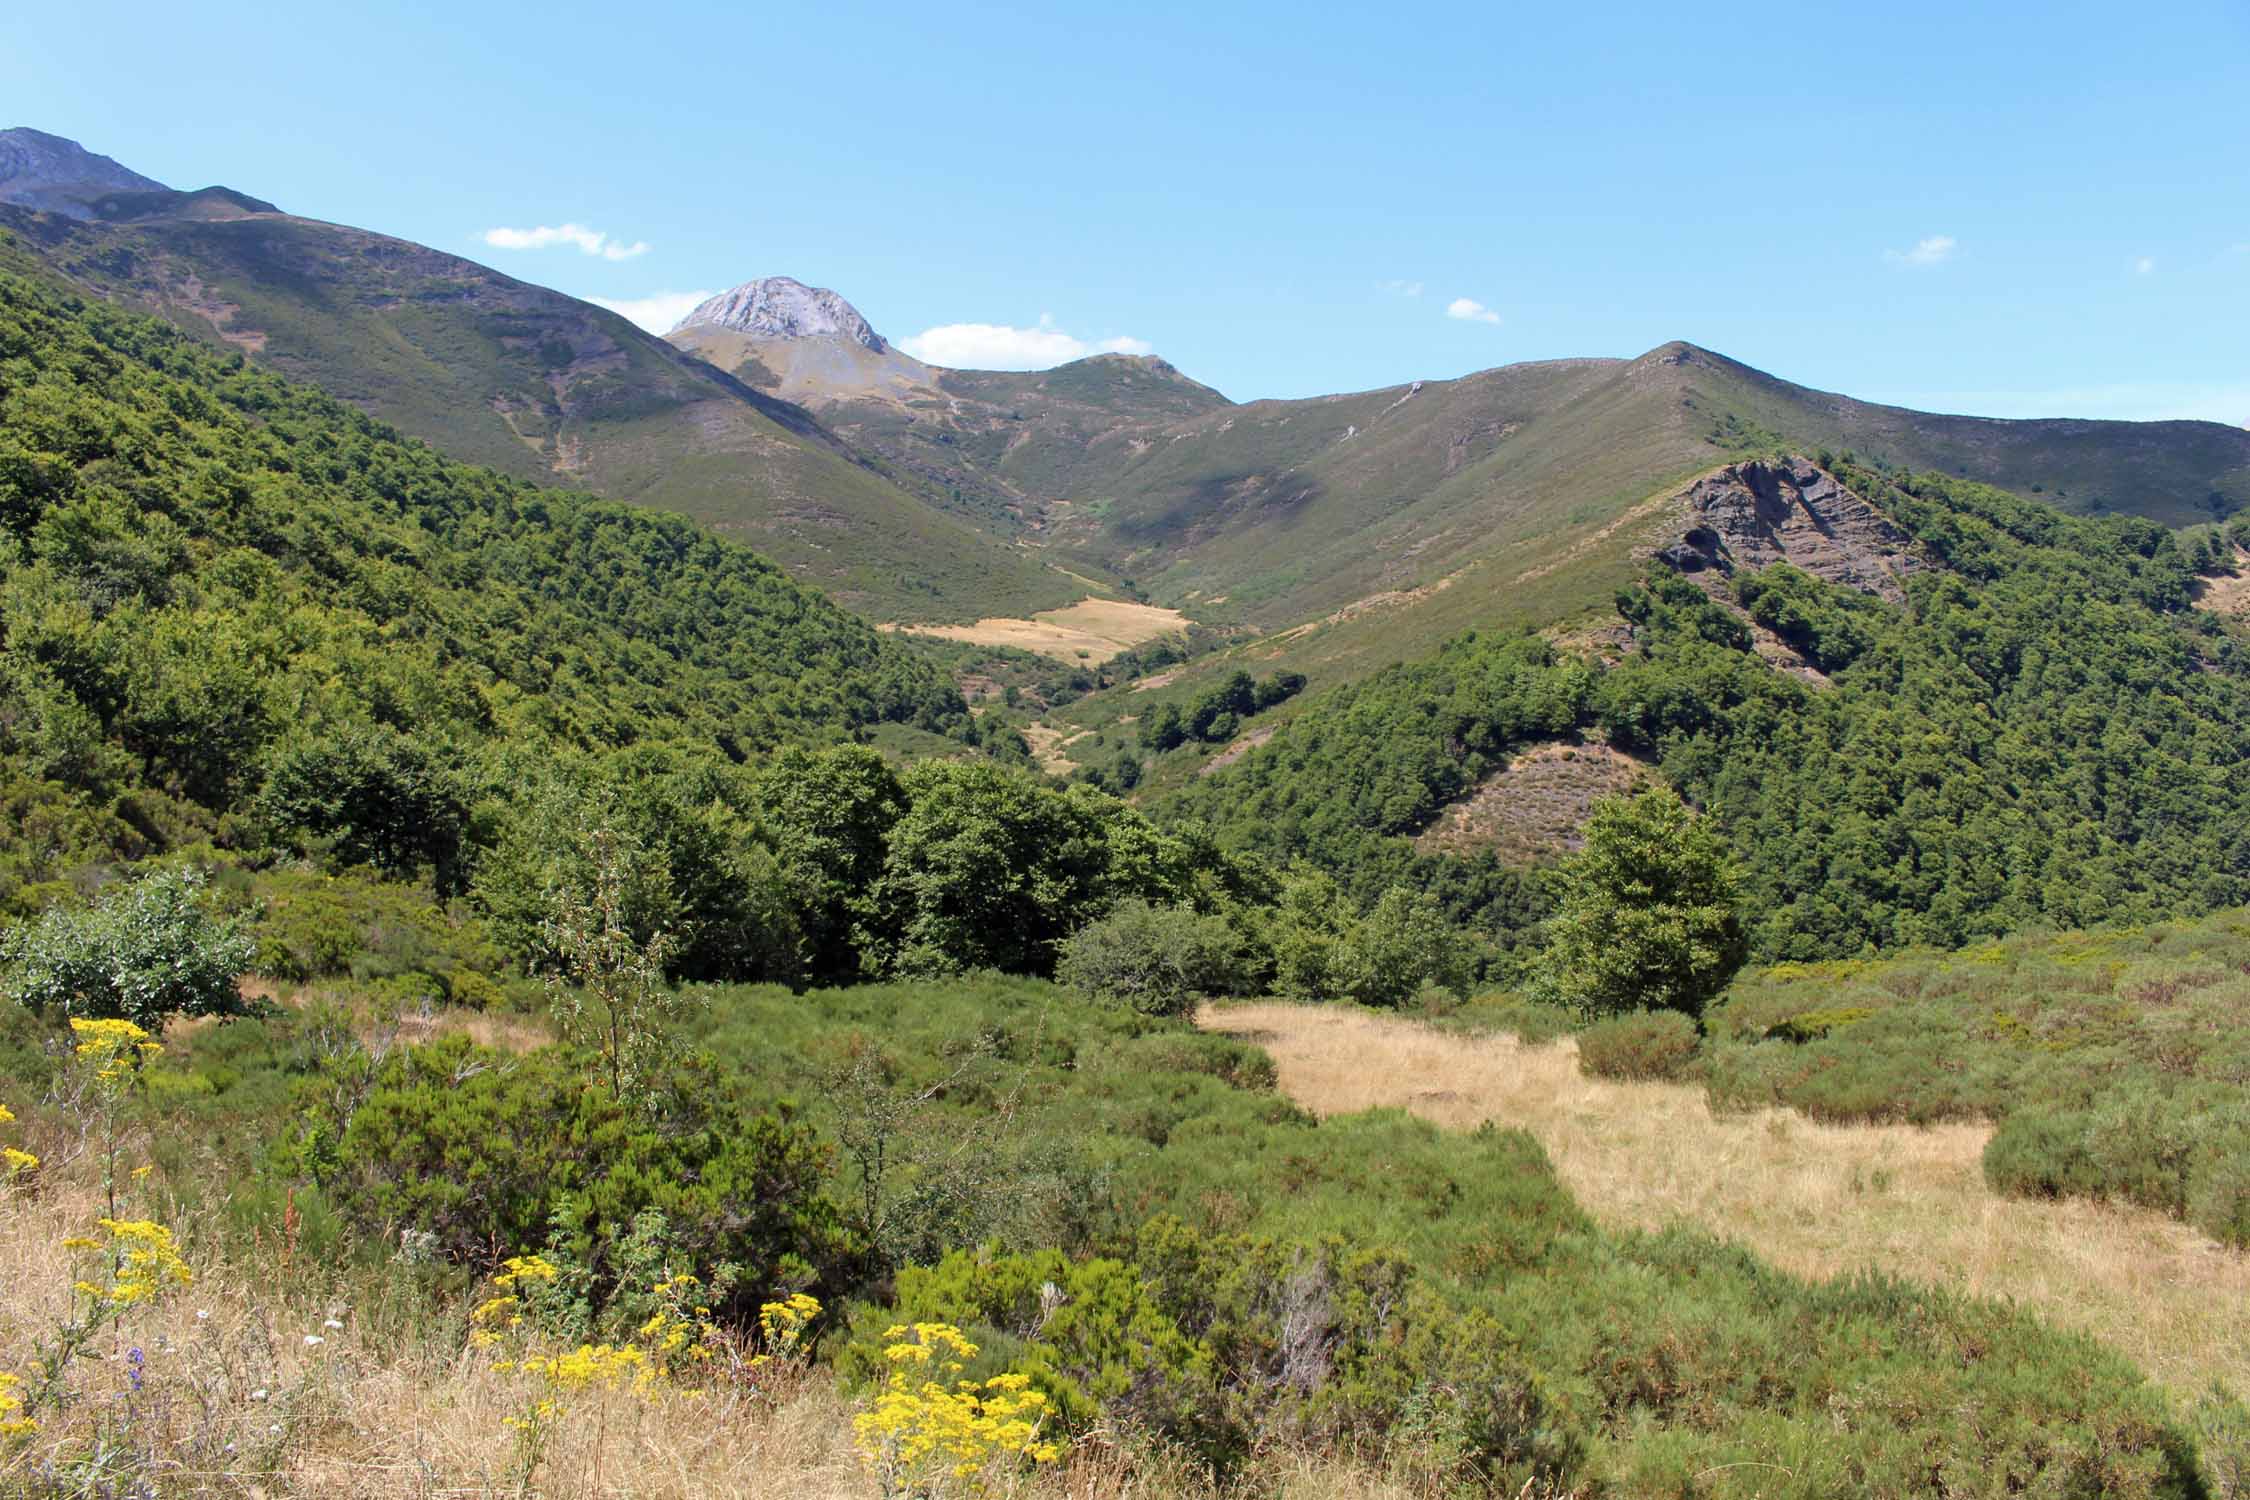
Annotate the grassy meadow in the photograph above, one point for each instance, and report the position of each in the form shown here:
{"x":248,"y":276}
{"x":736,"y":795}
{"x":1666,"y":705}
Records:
{"x":1477,"y":1309}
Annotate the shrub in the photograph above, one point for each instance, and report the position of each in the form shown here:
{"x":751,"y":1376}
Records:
{"x":491,"y":1154}
{"x":1653,"y":1045}
{"x":1159,"y":960}
{"x":318,"y":926}
{"x":1813,"y":1025}
{"x":147,"y":951}
{"x":2218,"y":1200}
{"x":2039,"y":1153}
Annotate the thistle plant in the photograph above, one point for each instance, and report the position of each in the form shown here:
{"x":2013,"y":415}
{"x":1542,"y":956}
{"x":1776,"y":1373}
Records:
{"x":929,"y":1426}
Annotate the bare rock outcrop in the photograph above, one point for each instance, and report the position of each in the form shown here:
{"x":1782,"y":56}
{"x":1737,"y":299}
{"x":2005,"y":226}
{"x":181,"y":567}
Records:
{"x":1755,"y":514}
{"x":779,"y":307}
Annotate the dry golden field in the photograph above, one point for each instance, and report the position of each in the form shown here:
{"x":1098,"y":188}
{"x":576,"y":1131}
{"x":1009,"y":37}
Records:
{"x":1814,"y":1199}
{"x":1090,"y":631}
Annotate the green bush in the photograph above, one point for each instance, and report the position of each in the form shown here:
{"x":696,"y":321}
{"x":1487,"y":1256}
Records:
{"x":1648,"y":919}
{"x":310,"y":926}
{"x":1812,"y":1025}
{"x":1658,"y":1045}
{"x":2218,"y":1201}
{"x":495,"y":1154}
{"x":146,"y":951}
{"x":2038,"y":1153}
{"x":1234,"y":1344}
{"x":1160,"y":960}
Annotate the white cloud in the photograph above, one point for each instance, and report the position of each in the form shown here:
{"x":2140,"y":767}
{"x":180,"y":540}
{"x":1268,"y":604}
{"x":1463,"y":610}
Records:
{"x":2144,"y":265}
{"x":1932,"y":250}
{"x":996,"y":346}
{"x":1403,"y":288}
{"x":546,"y":237}
{"x":658,"y":312}
{"x":1469,"y":310}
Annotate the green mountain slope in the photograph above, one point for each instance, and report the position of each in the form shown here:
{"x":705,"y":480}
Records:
{"x":2038,"y":729}
{"x":202,"y":565}
{"x":1280,"y":513}
{"x":500,"y":372}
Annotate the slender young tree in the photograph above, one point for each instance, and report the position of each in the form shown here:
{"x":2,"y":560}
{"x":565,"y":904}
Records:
{"x":608,"y":988}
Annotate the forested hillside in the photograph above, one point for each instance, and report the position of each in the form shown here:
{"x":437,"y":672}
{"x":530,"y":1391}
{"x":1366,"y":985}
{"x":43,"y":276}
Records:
{"x":2043,"y":731}
{"x":540,"y":385}
{"x":207,"y":570}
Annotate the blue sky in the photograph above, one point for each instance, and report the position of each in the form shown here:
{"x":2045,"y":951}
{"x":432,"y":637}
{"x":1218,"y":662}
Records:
{"x":2012,"y":209}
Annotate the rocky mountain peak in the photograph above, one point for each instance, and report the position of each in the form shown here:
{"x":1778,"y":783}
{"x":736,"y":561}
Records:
{"x":779,"y":307}
{"x":47,"y":172}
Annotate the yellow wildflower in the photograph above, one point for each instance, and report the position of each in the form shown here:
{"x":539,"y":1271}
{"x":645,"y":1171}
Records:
{"x":146,"y":1264}
{"x":13,"y":1161}
{"x":13,"y":1423}
{"x":525,"y":1267}
{"x":916,"y":1422}
{"x":109,"y":1047}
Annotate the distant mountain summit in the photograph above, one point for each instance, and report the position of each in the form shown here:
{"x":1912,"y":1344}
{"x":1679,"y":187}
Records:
{"x":47,"y":172}
{"x":779,"y":307}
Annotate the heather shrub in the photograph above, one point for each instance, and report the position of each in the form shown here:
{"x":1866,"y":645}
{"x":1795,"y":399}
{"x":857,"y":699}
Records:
{"x":2039,"y":1153}
{"x":1656,"y":1045}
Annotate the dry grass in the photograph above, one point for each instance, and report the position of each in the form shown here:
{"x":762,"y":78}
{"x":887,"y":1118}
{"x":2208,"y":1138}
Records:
{"x":1090,"y":631}
{"x":389,"y":1402}
{"x":235,"y":1401}
{"x":2228,"y":593}
{"x":1815,"y":1199}
{"x":1048,"y":744}
{"x":1535,"y":805}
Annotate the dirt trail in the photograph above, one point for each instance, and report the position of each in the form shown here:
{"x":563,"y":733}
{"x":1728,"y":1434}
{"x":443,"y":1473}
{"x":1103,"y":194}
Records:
{"x":1814,"y":1199}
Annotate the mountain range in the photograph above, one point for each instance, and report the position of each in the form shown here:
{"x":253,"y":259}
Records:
{"x":774,"y":413}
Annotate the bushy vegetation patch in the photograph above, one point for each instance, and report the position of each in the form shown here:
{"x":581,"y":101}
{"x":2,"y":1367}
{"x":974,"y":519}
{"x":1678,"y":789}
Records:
{"x":1159,"y":960}
{"x":2113,"y":1060}
{"x":237,"y":609}
{"x":1124,"y":1213}
{"x":1650,"y":1046}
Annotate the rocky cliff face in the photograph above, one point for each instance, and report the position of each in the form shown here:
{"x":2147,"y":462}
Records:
{"x":777,"y":307}
{"x":47,"y":172}
{"x":1752,"y":515}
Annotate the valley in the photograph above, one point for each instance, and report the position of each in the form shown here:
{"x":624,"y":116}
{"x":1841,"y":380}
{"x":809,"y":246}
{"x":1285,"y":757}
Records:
{"x":592,"y":912}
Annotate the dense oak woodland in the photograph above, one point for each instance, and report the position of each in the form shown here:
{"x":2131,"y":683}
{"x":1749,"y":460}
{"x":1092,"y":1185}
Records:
{"x":212,"y":573}
{"x":2043,"y":732}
